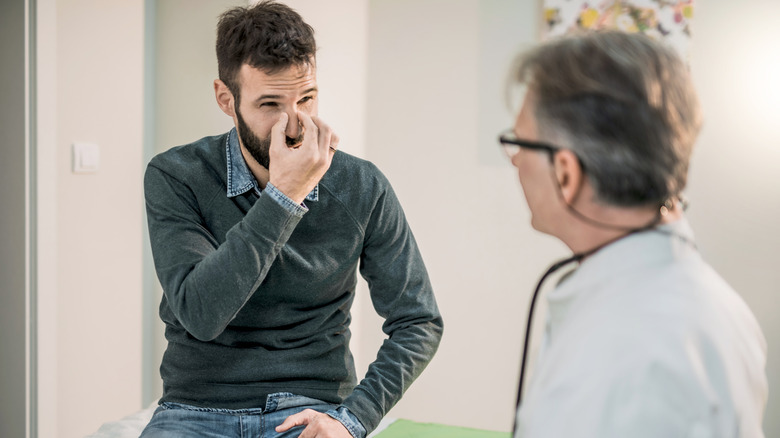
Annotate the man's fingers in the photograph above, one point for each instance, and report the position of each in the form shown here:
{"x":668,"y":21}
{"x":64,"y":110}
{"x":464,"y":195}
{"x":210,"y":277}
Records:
{"x":318,"y":131}
{"x":300,"y":419}
{"x":324,"y":138}
{"x":278,"y":136}
{"x":316,"y":424}
{"x":297,"y":172}
{"x":334,"y":142}
{"x":310,"y":130}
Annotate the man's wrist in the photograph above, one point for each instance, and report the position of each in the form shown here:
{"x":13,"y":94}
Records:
{"x":348,"y":419}
{"x":292,"y":193}
{"x":298,"y":209}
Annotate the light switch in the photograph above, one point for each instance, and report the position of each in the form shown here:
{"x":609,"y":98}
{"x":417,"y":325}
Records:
{"x":86,"y":157}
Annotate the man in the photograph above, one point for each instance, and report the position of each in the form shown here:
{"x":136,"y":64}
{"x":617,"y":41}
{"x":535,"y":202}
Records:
{"x":257,"y":236}
{"x":643,"y":338}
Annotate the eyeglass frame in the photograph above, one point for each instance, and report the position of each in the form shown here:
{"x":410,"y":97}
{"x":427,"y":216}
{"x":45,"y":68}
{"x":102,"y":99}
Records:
{"x":504,"y":140}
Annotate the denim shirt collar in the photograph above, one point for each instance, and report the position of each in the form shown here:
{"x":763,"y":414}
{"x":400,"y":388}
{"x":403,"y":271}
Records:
{"x":239,"y":178}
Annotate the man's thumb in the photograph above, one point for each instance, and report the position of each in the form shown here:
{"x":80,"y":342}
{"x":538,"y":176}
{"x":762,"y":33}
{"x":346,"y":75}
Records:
{"x":278,"y":131}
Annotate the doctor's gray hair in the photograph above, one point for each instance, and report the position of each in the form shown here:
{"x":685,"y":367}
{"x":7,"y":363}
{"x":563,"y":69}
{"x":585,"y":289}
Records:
{"x":625,"y":104}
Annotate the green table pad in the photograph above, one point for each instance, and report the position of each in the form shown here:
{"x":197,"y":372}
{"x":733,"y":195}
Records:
{"x":411,"y":429}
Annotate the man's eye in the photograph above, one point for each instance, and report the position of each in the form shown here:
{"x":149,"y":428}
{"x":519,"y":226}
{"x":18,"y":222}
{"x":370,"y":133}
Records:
{"x":269,"y":104}
{"x":304,"y":100}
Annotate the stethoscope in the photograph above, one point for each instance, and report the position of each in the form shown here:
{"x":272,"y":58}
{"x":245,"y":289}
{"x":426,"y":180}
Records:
{"x":578,"y":257}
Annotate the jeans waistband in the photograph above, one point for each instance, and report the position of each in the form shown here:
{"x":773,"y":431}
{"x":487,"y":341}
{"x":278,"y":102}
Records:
{"x":274,"y":402}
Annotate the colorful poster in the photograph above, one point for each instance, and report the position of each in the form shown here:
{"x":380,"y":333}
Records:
{"x":668,"y":20}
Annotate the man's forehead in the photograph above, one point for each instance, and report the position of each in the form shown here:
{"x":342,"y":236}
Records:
{"x":296,"y":78}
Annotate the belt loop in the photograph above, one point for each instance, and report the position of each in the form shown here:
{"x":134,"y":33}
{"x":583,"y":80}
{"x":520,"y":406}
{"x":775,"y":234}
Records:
{"x":271,"y":403}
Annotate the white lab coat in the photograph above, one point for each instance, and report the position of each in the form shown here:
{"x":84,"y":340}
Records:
{"x":645,"y":339}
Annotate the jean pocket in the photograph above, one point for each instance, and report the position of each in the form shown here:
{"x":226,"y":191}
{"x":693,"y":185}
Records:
{"x":284,"y":400}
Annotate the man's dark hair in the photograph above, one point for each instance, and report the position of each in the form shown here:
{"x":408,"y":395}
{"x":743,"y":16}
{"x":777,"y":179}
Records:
{"x":268,"y":36}
{"x":624,"y":104}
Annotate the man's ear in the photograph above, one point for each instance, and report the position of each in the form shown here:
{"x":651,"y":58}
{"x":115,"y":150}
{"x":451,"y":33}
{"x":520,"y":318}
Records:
{"x":225,"y":98}
{"x":569,"y":174}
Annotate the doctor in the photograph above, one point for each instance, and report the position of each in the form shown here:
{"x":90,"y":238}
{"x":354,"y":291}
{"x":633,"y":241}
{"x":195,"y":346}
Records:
{"x":643,"y":338}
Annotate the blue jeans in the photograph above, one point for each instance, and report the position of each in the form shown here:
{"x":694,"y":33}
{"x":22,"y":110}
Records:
{"x":173,"y":420}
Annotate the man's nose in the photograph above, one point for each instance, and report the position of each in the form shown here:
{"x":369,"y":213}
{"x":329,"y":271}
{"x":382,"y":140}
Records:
{"x":293,"y":125}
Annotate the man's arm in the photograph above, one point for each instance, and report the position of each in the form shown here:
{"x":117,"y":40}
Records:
{"x":402,"y":294}
{"x":205,"y":283}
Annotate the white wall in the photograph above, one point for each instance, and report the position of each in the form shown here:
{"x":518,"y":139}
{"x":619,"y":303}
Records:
{"x":734,"y":185}
{"x":99,"y":92}
{"x":185,"y":67}
{"x":46,"y":113}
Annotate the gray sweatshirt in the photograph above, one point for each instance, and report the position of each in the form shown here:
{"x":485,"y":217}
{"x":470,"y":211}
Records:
{"x":257,"y":296}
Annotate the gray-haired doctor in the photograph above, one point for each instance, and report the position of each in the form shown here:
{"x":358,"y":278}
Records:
{"x":643,"y":338}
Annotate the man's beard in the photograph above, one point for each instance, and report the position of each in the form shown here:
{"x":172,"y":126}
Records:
{"x":259,"y":147}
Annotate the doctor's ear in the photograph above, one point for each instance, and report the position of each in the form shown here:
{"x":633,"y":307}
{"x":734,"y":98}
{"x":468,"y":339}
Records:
{"x":569,"y":173}
{"x":225,"y":98}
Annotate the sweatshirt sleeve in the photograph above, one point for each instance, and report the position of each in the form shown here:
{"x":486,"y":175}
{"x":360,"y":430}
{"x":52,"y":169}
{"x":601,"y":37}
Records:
{"x":205,"y":283}
{"x":401,"y":293}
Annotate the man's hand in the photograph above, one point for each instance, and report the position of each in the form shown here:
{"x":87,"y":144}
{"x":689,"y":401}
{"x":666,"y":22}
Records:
{"x":318,"y":425}
{"x":296,"y":171}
